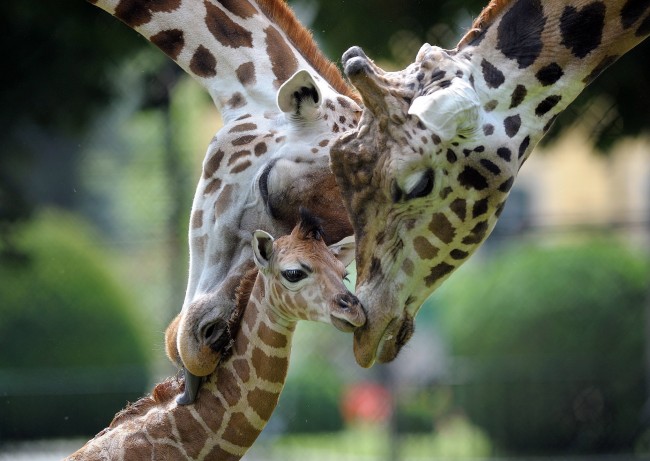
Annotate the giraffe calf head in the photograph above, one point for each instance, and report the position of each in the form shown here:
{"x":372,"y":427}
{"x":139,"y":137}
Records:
{"x":304,"y":276}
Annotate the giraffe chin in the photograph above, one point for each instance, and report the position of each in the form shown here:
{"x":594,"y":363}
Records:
{"x":384,"y":346}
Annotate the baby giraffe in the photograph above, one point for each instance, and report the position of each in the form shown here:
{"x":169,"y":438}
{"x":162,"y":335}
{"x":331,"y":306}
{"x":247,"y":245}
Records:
{"x":297,"y":277}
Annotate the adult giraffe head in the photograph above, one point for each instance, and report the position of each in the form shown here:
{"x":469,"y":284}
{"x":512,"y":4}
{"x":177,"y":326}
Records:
{"x":427,"y":171}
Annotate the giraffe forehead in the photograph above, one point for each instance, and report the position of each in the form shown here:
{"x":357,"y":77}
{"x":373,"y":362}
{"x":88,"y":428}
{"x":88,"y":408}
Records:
{"x":310,"y":252}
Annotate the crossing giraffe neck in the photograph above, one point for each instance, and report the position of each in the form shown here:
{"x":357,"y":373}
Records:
{"x":426,"y":173}
{"x":240,"y":51}
{"x":237,"y":400}
{"x":282,"y":104}
{"x":531,"y":59}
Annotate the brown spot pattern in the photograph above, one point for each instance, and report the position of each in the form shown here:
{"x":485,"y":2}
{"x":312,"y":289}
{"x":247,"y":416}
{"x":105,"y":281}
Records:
{"x":260,"y":149}
{"x":246,"y":73}
{"x":159,"y":425}
{"x":242,"y":369}
{"x":139,"y":446}
{"x":213,"y":163}
{"x":283,"y":62}
{"x":240,"y":8}
{"x":203,"y":63}
{"x":343,"y":102}
{"x":408,"y":267}
{"x":476,"y":234}
{"x":237,"y":100}
{"x":243,"y":127}
{"x":213,"y":417}
{"x":272,"y":369}
{"x":171,"y":42}
{"x":263,"y":402}
{"x":271,"y":337}
{"x":224,"y":199}
{"x":239,"y":431}
{"x":231,"y":392}
{"x":423,"y":248}
{"x":220,"y":454}
{"x":438,"y":272}
{"x":197,"y":219}
{"x":442,"y":228}
{"x":241,"y":167}
{"x":190,"y":432}
{"x":242,"y":140}
{"x":212,"y":186}
{"x":136,"y":12}
{"x":225,"y":30}
{"x":238,"y":155}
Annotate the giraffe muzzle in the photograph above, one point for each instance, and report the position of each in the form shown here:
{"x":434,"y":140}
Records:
{"x":347,"y":313}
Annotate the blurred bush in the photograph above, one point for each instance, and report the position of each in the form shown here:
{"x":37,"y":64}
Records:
{"x":71,"y":354}
{"x":549,"y":346}
{"x":310,"y":400}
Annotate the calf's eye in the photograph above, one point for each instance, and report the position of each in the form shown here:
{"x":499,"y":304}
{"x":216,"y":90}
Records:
{"x":294,"y":275}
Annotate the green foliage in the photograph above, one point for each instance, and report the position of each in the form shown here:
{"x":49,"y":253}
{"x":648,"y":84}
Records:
{"x":310,"y":400}
{"x":415,"y":414}
{"x":553,"y":346}
{"x":70,"y":351}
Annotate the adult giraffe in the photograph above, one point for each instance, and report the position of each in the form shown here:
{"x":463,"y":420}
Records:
{"x":282,"y":104}
{"x":427,"y":171}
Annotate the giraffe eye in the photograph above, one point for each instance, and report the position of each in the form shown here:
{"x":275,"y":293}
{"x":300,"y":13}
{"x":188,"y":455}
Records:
{"x":294,"y":275}
{"x":423,"y":187}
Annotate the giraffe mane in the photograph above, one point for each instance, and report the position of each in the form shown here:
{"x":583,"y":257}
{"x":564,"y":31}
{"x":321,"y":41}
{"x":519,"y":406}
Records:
{"x":162,"y":393}
{"x":242,"y":296}
{"x":303,"y":40}
{"x":310,"y":226}
{"x":485,"y":19}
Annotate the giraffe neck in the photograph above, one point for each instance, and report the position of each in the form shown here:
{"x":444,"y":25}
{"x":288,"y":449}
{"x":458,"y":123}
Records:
{"x":245,"y":390}
{"x":233,"y":406}
{"x":531,"y":58}
{"x":240,"y":51}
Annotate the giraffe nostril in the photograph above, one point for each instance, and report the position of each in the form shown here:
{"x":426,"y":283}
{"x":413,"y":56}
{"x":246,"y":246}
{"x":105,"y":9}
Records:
{"x":349,"y":314}
{"x":347,"y":300}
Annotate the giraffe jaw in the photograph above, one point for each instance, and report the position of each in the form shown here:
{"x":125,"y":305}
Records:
{"x":384,"y":346}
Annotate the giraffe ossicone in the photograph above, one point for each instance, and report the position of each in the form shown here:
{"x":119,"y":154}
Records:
{"x":426,"y":173}
{"x":296,"y":277}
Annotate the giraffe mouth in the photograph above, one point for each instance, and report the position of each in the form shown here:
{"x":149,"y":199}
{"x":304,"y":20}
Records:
{"x":347,"y":313}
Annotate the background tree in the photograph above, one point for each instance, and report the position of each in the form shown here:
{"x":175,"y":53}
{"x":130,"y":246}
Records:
{"x":552,"y":341}
{"x":61,"y":58}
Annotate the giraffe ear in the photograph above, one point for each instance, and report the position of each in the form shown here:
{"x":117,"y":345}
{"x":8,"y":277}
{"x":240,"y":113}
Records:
{"x":299,"y":96}
{"x":262,"y":249}
{"x":449,"y":111}
{"x":344,"y":250}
